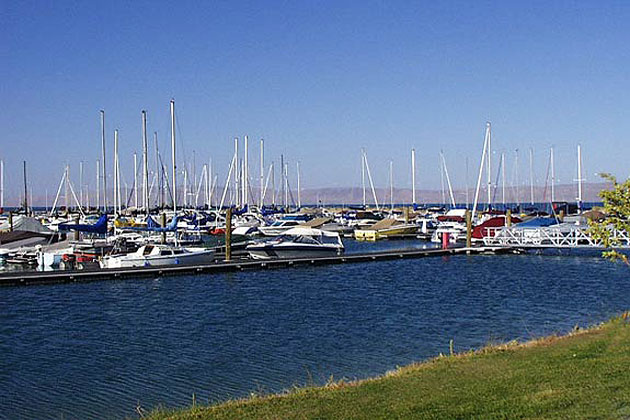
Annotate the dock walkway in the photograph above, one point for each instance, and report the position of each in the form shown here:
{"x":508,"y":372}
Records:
{"x":23,"y":278}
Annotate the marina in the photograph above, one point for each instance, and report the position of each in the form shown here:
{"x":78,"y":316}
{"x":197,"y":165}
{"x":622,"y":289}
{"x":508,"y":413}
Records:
{"x":337,"y":210}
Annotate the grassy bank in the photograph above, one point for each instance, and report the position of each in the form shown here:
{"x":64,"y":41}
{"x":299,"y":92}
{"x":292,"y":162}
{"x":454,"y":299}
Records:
{"x":585,"y":374}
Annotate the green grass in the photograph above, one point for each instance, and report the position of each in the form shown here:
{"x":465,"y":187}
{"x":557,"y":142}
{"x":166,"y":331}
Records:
{"x":585,"y":374}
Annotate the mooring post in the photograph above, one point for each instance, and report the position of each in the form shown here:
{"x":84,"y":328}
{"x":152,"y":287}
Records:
{"x":76,"y":232}
{"x":406,"y":214}
{"x":163,"y":223}
{"x":561,"y":216}
{"x":468,"y":231}
{"x":508,"y":218}
{"x":10,"y":221}
{"x":228,"y":234}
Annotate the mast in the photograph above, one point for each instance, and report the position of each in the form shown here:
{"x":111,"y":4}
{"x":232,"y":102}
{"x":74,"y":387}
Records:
{"x":104,"y":163}
{"x":467,"y":196}
{"x":25,"y":190}
{"x":282,"y":193}
{"x":531,"y":175}
{"x":262,"y":172}
{"x":173,"y":155}
{"x":117,"y":200}
{"x":367,"y":169}
{"x":299,"y":197}
{"x":486,"y":142}
{"x":98,"y":187}
{"x":158,"y":173}
{"x":448,"y":180}
{"x":489,"y":161}
{"x":518,"y":188}
{"x":135,"y":180}
{"x":273,"y":184}
{"x":1,"y":184}
{"x":503,"y":179}
{"x":413,"y":176}
{"x":286,"y":185}
{"x":579,"y":180}
{"x":391,"y":184}
{"x":553,"y":177}
{"x":145,"y":159}
{"x":237,"y":169}
{"x":67,"y":190}
{"x":246,"y":173}
{"x":363,"y":175}
{"x":80,"y":183}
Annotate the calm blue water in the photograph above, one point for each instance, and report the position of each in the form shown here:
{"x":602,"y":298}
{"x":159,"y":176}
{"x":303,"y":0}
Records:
{"x":97,"y":350}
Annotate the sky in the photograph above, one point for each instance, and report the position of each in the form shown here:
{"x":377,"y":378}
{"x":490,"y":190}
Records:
{"x":318,"y":80}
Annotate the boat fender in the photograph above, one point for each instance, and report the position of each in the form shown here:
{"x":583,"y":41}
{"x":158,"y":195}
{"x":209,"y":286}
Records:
{"x":176,"y":260}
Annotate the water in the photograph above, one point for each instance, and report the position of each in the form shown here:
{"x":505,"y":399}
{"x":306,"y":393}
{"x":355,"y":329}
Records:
{"x":97,"y":350}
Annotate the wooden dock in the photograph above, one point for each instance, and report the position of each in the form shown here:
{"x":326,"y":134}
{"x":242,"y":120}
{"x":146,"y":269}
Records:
{"x":23,"y":278}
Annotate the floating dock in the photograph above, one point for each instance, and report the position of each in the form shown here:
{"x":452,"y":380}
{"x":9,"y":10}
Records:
{"x":23,"y":278}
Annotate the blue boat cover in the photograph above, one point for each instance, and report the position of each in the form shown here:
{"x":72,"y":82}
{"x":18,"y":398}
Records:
{"x":99,"y":227}
{"x":539,"y":222}
{"x":152,"y":226}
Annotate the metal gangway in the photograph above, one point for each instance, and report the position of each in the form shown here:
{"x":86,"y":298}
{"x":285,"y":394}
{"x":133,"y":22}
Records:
{"x":557,"y":236}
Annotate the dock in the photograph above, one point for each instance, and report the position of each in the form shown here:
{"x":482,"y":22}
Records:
{"x":24,"y":278}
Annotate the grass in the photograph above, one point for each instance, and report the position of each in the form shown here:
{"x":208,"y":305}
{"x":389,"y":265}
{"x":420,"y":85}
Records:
{"x":585,"y":374}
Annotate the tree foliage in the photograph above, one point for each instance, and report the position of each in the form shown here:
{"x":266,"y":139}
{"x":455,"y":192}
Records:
{"x":617,"y":218}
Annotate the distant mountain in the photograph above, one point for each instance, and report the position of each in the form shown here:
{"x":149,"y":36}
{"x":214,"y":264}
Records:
{"x":354,"y":195}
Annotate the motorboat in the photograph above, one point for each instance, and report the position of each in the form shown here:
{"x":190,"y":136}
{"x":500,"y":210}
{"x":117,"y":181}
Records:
{"x":298,"y":242}
{"x":159,"y":255}
{"x":280,"y":226}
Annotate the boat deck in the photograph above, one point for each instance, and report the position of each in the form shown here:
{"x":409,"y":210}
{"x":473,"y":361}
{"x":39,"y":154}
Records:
{"x":19,"y":278}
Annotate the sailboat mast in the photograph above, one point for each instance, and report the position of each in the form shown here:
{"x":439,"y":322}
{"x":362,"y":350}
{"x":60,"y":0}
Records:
{"x":262,"y":172}
{"x":246,"y":173}
{"x":25,"y":190}
{"x":299,"y":197}
{"x":173,"y":155}
{"x":1,"y":184}
{"x":80,"y":183}
{"x":273,"y":184}
{"x":98,"y":187}
{"x":413,"y":176}
{"x":489,"y":162}
{"x":553,"y":177}
{"x":237,"y":169}
{"x":531,"y":175}
{"x":483,"y":156}
{"x":579,"y":197}
{"x":363,"y":175}
{"x":282,"y":192}
{"x":116,"y":182}
{"x":391,"y":184}
{"x":145,"y":159}
{"x":104,"y":163}
{"x":503,"y":179}
{"x":158,"y":173}
{"x":135,"y":180}
{"x":517,"y":181}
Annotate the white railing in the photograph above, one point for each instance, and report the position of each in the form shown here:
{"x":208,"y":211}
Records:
{"x":561,"y":236}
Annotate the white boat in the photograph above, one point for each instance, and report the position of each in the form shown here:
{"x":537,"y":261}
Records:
{"x":299,"y":242}
{"x":280,"y":226}
{"x":159,"y":255}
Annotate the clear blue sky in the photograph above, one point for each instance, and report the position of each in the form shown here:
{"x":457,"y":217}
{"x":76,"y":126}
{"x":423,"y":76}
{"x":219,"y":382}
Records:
{"x":318,"y":80}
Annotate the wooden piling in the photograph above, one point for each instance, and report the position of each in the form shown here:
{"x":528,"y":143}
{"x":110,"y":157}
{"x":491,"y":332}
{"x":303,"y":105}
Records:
{"x":163,"y":223}
{"x":228,"y":234}
{"x":76,"y":232}
{"x":508,"y":218}
{"x":10,"y":221}
{"x":468,"y":230}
